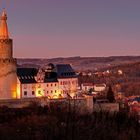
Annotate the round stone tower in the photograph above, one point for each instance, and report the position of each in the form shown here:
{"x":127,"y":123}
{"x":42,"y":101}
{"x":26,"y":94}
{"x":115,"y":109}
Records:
{"x":8,"y":76}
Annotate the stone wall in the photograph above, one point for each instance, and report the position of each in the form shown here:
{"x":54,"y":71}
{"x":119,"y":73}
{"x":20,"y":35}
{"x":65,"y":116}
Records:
{"x":6,"y":50}
{"x":111,"y":107}
{"x":77,"y":105}
{"x":8,"y":78}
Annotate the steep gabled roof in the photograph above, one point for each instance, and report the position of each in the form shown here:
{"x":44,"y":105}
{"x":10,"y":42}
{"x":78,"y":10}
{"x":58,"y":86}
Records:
{"x":65,"y":71}
{"x":50,"y":77}
{"x":87,"y":84}
{"x":27,"y":75}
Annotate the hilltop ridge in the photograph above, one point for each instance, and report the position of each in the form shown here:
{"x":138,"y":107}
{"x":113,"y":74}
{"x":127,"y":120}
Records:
{"x":80,"y":63}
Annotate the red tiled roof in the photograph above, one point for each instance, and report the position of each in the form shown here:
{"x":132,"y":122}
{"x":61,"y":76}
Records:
{"x":87,"y":84}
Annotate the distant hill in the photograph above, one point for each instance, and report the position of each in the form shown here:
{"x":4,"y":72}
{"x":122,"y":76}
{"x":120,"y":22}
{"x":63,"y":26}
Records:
{"x":81,"y":63}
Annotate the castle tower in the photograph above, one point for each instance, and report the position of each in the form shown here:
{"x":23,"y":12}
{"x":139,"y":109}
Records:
{"x":8,"y":77}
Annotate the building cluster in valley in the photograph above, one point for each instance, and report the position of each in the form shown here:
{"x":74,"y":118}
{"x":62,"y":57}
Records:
{"x":101,"y":73}
{"x":94,"y":88}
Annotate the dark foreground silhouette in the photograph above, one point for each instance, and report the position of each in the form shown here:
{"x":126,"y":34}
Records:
{"x":54,"y":123}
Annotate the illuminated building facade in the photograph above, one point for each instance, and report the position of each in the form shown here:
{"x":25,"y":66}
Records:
{"x":57,"y":81}
{"x":67,"y":79}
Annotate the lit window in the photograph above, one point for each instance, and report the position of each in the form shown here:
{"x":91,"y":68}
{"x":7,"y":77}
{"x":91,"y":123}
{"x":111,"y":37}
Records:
{"x":33,"y":86}
{"x":39,"y":92}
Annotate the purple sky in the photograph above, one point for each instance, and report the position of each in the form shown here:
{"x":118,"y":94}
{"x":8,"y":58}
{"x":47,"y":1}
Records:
{"x":62,"y":28}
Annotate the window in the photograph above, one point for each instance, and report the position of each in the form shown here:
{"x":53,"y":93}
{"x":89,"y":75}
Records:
{"x":39,"y":92}
{"x":47,"y":85}
{"x":55,"y":91}
{"x":33,"y":92}
{"x":47,"y":92}
{"x":39,"y":85}
{"x":25,"y":93}
{"x":51,"y":91}
{"x":51,"y":85}
{"x":33,"y":86}
{"x":55,"y":85}
{"x":25,"y":86}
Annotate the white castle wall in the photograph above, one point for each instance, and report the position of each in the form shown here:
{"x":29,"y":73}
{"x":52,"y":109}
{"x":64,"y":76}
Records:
{"x":68,"y":85}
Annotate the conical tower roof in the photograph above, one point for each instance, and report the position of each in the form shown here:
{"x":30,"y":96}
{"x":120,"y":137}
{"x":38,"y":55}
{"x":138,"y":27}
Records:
{"x":3,"y":26}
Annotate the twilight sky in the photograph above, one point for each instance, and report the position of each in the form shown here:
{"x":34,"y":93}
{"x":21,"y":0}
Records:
{"x":63,"y":28}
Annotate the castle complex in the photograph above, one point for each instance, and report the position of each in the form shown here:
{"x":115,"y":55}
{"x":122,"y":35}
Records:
{"x":56,"y":81}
